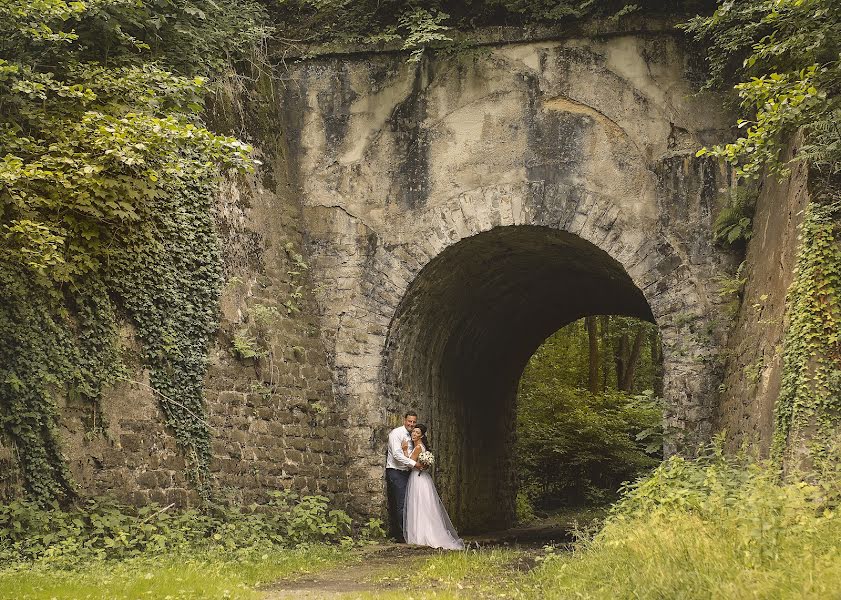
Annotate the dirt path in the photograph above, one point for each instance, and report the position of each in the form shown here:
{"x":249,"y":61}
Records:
{"x":377,"y":569}
{"x":384,"y":568}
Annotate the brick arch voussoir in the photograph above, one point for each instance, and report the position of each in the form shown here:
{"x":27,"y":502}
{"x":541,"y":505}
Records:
{"x":649,"y":260}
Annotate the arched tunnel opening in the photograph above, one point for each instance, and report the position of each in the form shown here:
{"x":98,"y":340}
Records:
{"x":589,"y":418}
{"x":462,"y":335}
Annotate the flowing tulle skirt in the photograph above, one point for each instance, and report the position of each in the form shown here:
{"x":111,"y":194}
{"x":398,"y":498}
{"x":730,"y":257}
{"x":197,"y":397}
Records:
{"x":427,"y":522}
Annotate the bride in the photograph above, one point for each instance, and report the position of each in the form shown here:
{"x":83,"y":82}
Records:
{"x":426,"y":522}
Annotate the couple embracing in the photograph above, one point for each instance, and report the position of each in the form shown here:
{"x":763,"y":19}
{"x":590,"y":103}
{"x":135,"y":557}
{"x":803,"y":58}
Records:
{"x":416,"y":512}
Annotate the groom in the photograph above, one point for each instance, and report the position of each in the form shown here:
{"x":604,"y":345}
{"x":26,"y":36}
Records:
{"x":398,"y":467}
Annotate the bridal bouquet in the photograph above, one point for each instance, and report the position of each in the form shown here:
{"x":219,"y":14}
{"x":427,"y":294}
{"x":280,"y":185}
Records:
{"x":426,"y":458}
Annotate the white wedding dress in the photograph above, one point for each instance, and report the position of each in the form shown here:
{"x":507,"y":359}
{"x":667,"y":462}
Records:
{"x":427,"y":522}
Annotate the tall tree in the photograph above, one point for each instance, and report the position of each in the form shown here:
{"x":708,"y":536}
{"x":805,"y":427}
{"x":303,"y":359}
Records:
{"x":604,"y":331}
{"x":626,"y":383}
{"x":593,"y":343}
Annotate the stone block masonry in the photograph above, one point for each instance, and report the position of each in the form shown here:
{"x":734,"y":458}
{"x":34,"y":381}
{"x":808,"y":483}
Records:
{"x":755,"y":348}
{"x":272,"y":415}
{"x":414,"y":232}
{"x":460,"y":210}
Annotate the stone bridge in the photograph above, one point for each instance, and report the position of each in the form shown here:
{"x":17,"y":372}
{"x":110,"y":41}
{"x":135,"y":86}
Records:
{"x":453,"y":214}
{"x":459,"y":210}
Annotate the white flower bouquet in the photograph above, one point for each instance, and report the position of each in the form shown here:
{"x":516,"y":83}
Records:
{"x":426,"y":458}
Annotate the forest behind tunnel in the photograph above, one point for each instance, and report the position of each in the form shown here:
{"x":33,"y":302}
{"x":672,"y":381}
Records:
{"x":462,"y":338}
{"x":589,"y":415}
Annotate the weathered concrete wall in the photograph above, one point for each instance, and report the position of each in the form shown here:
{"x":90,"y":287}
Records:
{"x":755,"y":349}
{"x":400,"y":163}
{"x":273,"y":419}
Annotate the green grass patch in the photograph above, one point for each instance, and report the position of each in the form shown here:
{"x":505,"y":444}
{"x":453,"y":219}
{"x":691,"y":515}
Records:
{"x":708,"y":529}
{"x":175,"y":576}
{"x":483,"y":573}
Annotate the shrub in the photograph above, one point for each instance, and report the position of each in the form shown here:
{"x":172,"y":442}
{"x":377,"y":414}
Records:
{"x":580,"y":447}
{"x":712,"y":528}
{"x":524,"y":508}
{"x":103,"y":529}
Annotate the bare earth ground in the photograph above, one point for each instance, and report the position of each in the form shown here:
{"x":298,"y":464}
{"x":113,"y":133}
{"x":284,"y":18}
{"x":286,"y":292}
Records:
{"x":377,"y":569}
{"x":386,"y":568}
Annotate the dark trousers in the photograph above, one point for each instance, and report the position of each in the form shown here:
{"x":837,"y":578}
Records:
{"x":396,"y":482}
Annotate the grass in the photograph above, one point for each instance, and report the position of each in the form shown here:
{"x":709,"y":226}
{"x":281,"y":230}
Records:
{"x":687,"y":557}
{"x":712,"y":528}
{"x":484,"y":573}
{"x":708,"y":530}
{"x":203,"y":574}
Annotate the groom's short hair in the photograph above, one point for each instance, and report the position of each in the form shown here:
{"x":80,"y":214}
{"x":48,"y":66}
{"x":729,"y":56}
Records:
{"x":410,"y":413}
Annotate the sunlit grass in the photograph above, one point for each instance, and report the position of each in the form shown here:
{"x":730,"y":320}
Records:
{"x":686,"y":557}
{"x":709,"y":530}
{"x":201,"y":574}
{"x":482,"y":573}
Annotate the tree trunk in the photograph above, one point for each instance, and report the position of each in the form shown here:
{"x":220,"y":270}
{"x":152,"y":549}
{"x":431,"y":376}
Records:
{"x":627,"y":383}
{"x":619,"y":359}
{"x":605,"y":345}
{"x":594,"y":354}
{"x":656,"y":362}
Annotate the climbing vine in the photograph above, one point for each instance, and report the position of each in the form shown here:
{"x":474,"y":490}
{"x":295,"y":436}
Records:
{"x":807,"y":408}
{"x":167,"y":275}
{"x":783,"y":59}
{"x":107,"y":183}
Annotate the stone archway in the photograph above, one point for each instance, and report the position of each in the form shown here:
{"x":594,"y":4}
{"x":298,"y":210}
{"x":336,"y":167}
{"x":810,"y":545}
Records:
{"x":465,"y":329}
{"x":408,"y":175}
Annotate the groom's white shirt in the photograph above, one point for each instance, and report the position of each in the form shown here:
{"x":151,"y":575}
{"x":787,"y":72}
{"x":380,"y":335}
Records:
{"x":395,"y":458}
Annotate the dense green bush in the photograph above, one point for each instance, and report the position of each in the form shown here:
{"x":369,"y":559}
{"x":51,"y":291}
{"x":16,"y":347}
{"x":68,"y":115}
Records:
{"x":574,"y":447}
{"x":102,"y":529}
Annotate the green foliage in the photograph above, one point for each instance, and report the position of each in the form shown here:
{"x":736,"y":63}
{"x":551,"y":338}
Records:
{"x":107,"y":179}
{"x":103,"y":530}
{"x":44,"y":347}
{"x":523,"y":508}
{"x":574,"y":446}
{"x":734,"y":224}
{"x":301,"y":519}
{"x":424,"y":24}
{"x":580,"y":447}
{"x":711,"y":528}
{"x":786,"y":57}
{"x":245,"y":346}
{"x":733,"y":286}
{"x":372,"y":530}
{"x":783,"y":56}
{"x":422,"y":29}
{"x":807,"y":410}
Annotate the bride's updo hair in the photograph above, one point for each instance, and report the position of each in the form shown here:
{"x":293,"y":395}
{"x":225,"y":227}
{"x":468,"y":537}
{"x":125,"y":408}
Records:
{"x":423,"y":439}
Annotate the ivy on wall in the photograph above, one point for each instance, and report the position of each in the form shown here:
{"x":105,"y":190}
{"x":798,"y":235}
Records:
{"x":167,"y":274}
{"x":52,"y":339}
{"x":107,"y":183}
{"x":806,"y":413}
{"x":783,"y":59}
